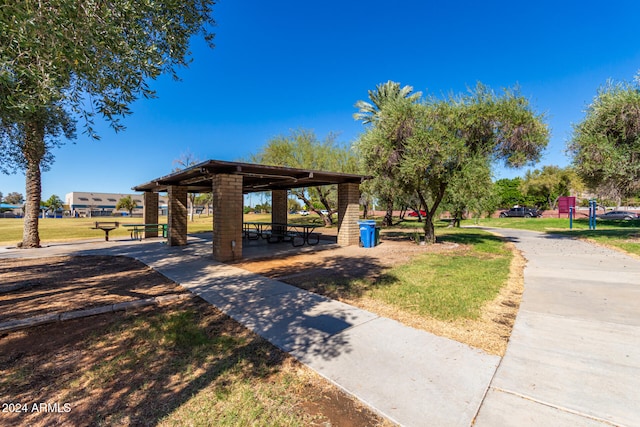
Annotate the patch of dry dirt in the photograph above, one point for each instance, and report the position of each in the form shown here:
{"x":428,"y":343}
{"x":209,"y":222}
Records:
{"x":40,"y":363}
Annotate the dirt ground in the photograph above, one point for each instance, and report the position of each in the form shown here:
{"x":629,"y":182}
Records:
{"x":37,"y":363}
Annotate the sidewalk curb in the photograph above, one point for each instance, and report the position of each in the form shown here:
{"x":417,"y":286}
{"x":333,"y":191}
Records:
{"x":13,"y":325}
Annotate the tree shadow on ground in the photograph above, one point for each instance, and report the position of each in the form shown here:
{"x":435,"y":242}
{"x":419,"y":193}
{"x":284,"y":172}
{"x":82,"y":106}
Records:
{"x":135,"y":369}
{"x":339,"y":276}
{"x":463,"y":238}
{"x":32,"y":288}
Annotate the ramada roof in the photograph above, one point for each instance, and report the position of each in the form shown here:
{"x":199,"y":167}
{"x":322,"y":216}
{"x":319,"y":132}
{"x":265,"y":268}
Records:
{"x":198,"y":178}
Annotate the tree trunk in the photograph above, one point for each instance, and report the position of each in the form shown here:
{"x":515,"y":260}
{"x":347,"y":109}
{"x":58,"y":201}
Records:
{"x":33,"y":150}
{"x":324,"y":199}
{"x":191,"y":201}
{"x":388,"y":218}
{"x":429,"y":230}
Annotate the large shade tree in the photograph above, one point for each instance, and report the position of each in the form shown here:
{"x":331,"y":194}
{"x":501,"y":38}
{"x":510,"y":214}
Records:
{"x":302,"y":149}
{"x":63,"y":60}
{"x":606,"y":144}
{"x":370,"y":113}
{"x":423,"y":146}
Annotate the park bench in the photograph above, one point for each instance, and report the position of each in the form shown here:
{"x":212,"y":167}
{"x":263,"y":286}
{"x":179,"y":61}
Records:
{"x":106,"y":226}
{"x":139,"y":230}
{"x":297,"y":234}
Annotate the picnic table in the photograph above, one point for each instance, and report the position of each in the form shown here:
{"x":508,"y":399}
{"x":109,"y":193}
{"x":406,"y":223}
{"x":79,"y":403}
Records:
{"x":137,"y":230}
{"x":106,"y":226}
{"x":273,"y":232}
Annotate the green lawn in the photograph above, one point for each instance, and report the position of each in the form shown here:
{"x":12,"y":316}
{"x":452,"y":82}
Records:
{"x":62,"y":229}
{"x":452,"y":285}
{"x":624,"y":235}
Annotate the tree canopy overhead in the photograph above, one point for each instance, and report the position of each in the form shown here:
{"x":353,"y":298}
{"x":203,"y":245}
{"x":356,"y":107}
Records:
{"x":62,"y":60}
{"x":302,"y":149}
{"x":606,"y":144}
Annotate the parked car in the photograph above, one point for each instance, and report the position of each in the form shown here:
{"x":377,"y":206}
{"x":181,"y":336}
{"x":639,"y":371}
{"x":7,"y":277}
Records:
{"x":521,"y":212}
{"x":303,"y":213}
{"x":415,"y":213}
{"x":625,"y":215}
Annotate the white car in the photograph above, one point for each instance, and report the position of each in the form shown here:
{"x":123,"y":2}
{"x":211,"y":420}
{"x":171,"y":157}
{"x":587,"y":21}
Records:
{"x":303,"y":213}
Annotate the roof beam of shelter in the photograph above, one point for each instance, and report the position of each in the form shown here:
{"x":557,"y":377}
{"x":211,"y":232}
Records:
{"x":256,"y":177}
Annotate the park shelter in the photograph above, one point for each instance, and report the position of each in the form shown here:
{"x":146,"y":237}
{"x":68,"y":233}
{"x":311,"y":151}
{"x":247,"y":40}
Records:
{"x":229,"y":181}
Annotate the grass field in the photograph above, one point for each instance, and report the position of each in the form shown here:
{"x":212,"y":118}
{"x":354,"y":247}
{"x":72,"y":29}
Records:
{"x":449,"y":286}
{"x":64,"y":229}
{"x":624,"y":235}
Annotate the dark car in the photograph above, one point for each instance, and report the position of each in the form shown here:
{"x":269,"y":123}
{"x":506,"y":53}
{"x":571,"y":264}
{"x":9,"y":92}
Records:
{"x":520,"y":212}
{"x":619,"y":215}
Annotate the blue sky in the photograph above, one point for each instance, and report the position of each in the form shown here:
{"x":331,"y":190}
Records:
{"x":284,"y":65}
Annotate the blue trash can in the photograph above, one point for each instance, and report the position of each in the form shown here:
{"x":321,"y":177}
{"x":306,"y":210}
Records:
{"x":367,"y":233}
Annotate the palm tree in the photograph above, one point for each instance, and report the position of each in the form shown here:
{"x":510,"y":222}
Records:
{"x":126,"y":203}
{"x":370,"y":112}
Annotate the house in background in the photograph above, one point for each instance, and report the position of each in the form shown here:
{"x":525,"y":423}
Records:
{"x":85,"y":204}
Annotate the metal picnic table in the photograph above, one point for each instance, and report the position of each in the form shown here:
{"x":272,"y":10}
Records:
{"x":297,"y":234}
{"x":138,"y":229}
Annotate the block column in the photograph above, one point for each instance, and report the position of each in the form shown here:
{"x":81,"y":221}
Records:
{"x":279,"y":213}
{"x":150,"y":212}
{"x":348,"y":214}
{"x":227,"y":214}
{"x":177,"y":220}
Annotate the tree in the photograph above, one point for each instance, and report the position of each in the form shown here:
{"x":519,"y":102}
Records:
{"x":184,"y":161}
{"x":606,"y":144}
{"x":302,"y":149}
{"x":509,"y":193}
{"x":53,"y":203}
{"x":14,"y":198}
{"x":62,"y":60}
{"x":544,"y":186}
{"x":423,"y":146}
{"x":469,"y":190}
{"x":293,"y":205}
{"x":370,"y":114}
{"x":205,"y":200}
{"x":127,"y":203}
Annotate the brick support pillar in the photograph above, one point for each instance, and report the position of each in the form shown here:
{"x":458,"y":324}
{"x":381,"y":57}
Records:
{"x":279,"y":208}
{"x":348,"y":214}
{"x":227,"y":214}
{"x":177,"y":220}
{"x":150,"y":212}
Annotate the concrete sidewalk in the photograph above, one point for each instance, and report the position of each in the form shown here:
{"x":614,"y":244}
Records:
{"x":574,"y":355}
{"x":410,"y":376}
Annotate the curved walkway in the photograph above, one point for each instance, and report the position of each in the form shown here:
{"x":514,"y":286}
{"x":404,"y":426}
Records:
{"x":574,"y":355}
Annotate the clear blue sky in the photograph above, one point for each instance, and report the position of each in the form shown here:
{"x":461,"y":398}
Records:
{"x":282,"y":65}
